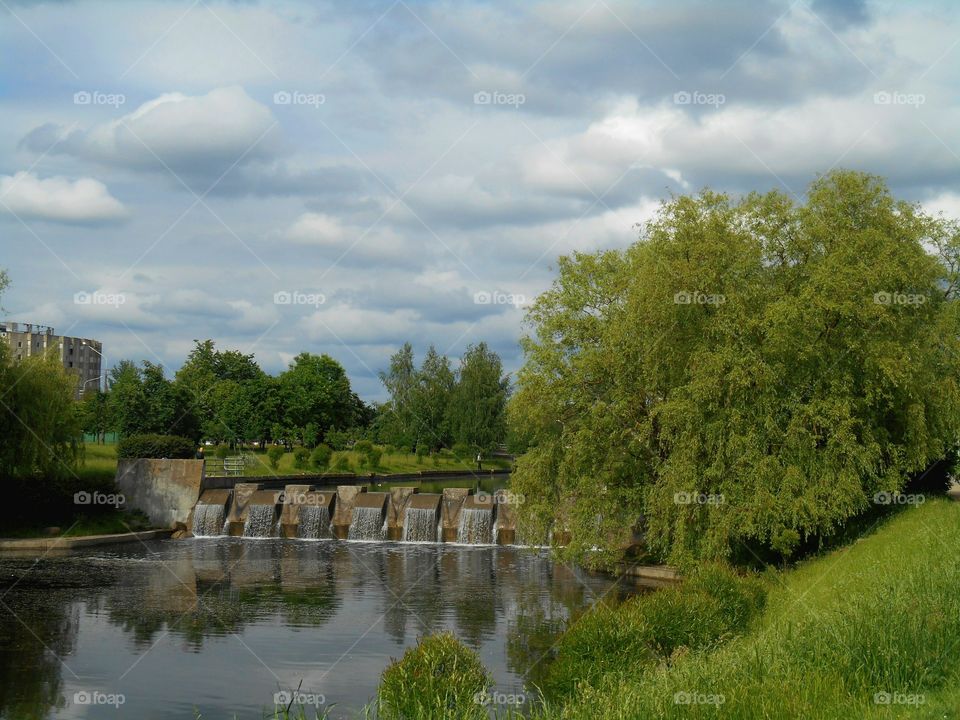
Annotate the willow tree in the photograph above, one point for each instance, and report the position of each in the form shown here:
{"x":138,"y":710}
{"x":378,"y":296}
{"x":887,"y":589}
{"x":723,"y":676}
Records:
{"x":748,"y":371}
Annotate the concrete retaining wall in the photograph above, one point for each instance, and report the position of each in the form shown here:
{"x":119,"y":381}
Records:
{"x":165,"y":490}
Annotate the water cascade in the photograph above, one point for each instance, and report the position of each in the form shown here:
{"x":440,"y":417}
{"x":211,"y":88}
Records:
{"x":476,"y":526}
{"x":367,"y":524}
{"x":420,"y":525}
{"x":314,"y":522}
{"x":208,"y":520}
{"x":260,"y":521}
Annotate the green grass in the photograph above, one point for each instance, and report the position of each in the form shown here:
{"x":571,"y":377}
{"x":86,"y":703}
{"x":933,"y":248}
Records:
{"x":879,"y":616}
{"x":108,"y":522}
{"x":100,"y":462}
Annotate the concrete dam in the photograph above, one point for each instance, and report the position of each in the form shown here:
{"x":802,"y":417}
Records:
{"x":350,"y":512}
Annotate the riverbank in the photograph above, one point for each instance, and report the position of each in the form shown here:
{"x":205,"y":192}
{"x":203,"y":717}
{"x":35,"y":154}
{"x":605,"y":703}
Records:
{"x":65,"y":542}
{"x":868,"y":630}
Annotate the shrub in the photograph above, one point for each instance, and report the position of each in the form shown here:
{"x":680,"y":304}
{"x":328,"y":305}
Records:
{"x":337,"y":439}
{"x":341,"y":462}
{"x":156,"y":446}
{"x":710,"y":605}
{"x":422,"y":451}
{"x":438,"y":679}
{"x":374,"y":457}
{"x":320,"y":458}
{"x":363,"y":447}
{"x":274,"y":453}
{"x":222,"y":451}
{"x":462,"y":451}
{"x":301,"y":458}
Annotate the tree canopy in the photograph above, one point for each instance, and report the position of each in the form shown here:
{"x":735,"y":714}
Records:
{"x":750,"y":371}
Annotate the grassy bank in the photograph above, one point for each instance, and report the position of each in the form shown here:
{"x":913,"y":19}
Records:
{"x":101,"y":462}
{"x":870,"y":630}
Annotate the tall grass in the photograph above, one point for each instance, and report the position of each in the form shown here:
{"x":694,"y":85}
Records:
{"x":870,"y":630}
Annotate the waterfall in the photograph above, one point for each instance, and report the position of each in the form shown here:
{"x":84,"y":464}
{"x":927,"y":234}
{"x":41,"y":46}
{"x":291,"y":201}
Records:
{"x":420,"y":525}
{"x":208,"y":520}
{"x":476,"y":526}
{"x":259,"y":521}
{"x":314,"y":521}
{"x":366,"y":524}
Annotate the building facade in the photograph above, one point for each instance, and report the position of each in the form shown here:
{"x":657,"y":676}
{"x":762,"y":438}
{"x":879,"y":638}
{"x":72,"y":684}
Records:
{"x":80,"y":356}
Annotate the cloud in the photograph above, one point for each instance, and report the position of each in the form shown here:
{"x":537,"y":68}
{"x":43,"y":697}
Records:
{"x":203,"y":135}
{"x":59,"y":199}
{"x":316,"y":229}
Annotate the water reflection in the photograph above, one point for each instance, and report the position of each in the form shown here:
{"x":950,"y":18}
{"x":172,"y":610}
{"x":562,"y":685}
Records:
{"x":219,"y":625}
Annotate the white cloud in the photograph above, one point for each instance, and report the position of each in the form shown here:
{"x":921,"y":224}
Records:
{"x":58,"y":199}
{"x":315,"y":229}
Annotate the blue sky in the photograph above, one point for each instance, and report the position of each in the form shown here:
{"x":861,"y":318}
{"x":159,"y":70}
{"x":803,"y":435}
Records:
{"x":180,"y":170}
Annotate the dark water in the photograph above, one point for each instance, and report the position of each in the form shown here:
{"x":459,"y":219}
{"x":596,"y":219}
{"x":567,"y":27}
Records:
{"x":221,"y":625}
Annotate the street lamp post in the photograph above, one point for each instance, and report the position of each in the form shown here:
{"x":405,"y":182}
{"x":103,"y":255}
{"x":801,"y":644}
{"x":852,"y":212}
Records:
{"x":103,"y":363}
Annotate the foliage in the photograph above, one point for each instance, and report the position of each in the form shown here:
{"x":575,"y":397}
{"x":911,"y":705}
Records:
{"x":155,"y":446}
{"x":320,"y":457}
{"x":479,"y":398}
{"x":374,"y":457}
{"x":341,"y":462}
{"x":142,"y":401}
{"x":750,"y":371}
{"x":708,"y":607}
{"x":222,"y":451}
{"x":274,"y":453}
{"x":439,"y":678}
{"x":301,"y":457}
{"x":337,"y":439}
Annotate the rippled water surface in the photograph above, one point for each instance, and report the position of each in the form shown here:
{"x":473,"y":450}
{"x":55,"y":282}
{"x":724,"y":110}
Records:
{"x":220,"y":625}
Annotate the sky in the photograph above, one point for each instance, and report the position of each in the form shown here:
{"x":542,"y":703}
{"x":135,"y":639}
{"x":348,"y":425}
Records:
{"x":344,"y":177}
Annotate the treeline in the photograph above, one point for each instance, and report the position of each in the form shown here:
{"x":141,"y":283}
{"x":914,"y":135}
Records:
{"x":224,"y":396}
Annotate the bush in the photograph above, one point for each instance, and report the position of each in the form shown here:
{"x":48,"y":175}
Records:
{"x":363,"y":447}
{"x":341,"y":462}
{"x":439,"y":678}
{"x":274,"y":453}
{"x":374,"y":457}
{"x":462,"y":451}
{"x":337,"y":439}
{"x":710,"y":605}
{"x":156,"y":446}
{"x":222,"y":451}
{"x":301,"y":458}
{"x":320,"y":458}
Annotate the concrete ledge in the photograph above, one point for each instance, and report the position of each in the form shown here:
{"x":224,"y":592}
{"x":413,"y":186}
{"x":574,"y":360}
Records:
{"x":654,"y":575}
{"x":164,"y":490}
{"x":69,"y":543}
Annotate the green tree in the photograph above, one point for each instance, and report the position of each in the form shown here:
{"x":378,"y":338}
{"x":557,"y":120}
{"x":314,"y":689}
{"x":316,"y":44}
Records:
{"x":478,"y":399}
{"x":431,"y":397}
{"x":748,"y":372}
{"x":315,"y":390}
{"x":397,"y":418}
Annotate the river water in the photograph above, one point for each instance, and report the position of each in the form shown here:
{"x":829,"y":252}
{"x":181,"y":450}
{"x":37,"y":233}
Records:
{"x":218,"y":626}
